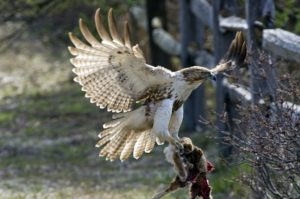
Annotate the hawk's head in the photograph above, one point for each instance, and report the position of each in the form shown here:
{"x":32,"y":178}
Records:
{"x":198,"y":74}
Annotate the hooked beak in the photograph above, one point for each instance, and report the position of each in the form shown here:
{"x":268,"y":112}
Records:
{"x":213,"y":76}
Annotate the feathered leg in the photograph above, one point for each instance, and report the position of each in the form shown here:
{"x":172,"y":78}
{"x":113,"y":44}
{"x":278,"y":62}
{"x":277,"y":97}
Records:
{"x":161,"y":121}
{"x":175,"y":122}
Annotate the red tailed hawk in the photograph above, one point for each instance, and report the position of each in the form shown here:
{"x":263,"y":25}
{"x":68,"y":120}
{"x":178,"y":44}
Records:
{"x":115,"y":75}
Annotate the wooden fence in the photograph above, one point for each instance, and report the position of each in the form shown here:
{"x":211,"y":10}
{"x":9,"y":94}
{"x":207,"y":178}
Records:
{"x":194,"y":16}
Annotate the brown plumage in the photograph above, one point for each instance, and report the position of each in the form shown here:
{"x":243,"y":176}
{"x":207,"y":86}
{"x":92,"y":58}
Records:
{"x":114,"y":75}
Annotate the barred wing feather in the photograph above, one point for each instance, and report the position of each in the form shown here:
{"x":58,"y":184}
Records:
{"x":113,"y":73}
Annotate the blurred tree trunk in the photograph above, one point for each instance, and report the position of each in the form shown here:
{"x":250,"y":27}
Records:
{"x":191,"y":30}
{"x":157,"y":9}
{"x":221,"y":44}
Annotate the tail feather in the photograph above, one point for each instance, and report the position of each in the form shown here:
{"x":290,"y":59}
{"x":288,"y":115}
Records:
{"x":150,"y":142}
{"x":114,"y":154}
{"x":104,"y":151}
{"x":105,"y":133}
{"x":117,"y":142}
{"x":112,"y":123}
{"x":139,"y":146}
{"x":113,"y":130}
{"x":109,"y":131}
{"x":129,"y":146}
{"x":103,"y":141}
{"x":125,"y":135}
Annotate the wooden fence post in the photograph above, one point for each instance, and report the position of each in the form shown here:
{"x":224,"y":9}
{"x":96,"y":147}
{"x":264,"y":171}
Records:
{"x":221,"y":44}
{"x":199,"y":99}
{"x":157,"y":9}
{"x":268,"y":12}
{"x":195,"y":105}
{"x":251,"y":10}
{"x":261,"y":85}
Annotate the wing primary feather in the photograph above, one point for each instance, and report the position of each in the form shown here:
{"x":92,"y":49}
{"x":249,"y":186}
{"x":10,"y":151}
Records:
{"x":127,"y":35}
{"x":83,"y":52}
{"x":239,"y":42}
{"x":113,"y":29}
{"x":101,"y":29}
{"x":80,"y":45}
{"x":72,"y":51}
{"x":77,"y":43}
{"x":232,"y":49}
{"x":87,"y":34}
{"x":75,"y":40}
{"x":99,"y":65}
{"x":243,"y":53}
{"x":240,"y":38}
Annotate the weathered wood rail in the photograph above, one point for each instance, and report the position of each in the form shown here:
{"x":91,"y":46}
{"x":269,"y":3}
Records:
{"x":200,"y":13}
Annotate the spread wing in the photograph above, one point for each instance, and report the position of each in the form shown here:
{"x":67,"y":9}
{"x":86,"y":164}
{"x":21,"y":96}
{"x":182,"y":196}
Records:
{"x":112,"y":72}
{"x":235,"y":56}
